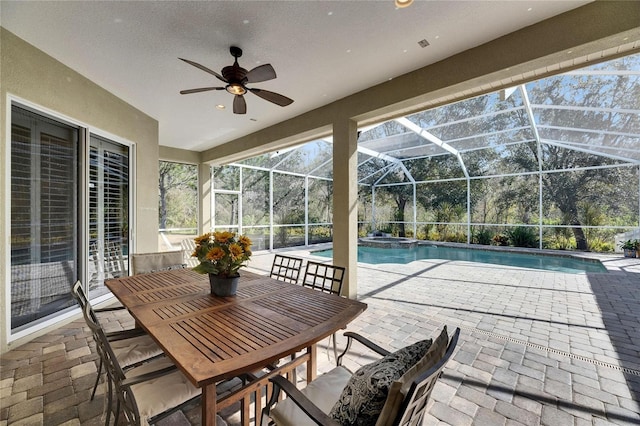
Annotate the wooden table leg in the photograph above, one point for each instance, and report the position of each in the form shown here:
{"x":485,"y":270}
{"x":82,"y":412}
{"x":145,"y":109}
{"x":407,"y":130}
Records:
{"x":312,"y":364}
{"x":209,"y":405}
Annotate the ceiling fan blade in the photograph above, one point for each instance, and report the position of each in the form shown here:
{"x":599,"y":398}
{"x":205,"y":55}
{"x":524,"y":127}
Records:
{"x":262,"y":73}
{"x":239,"y":105}
{"x":201,"y":89}
{"x":205,"y":69}
{"x":276,"y":98}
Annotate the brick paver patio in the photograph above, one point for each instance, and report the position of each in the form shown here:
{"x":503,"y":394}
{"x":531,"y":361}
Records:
{"x":537,"y":347}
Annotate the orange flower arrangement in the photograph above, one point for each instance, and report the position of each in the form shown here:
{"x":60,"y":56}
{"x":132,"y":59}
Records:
{"x":221,"y":253}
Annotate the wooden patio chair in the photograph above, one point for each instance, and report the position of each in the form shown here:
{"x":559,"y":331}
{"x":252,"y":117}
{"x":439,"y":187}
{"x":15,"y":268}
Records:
{"x":398,"y":396}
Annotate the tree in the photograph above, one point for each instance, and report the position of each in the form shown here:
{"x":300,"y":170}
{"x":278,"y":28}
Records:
{"x":178,"y":189}
{"x":578,"y":183}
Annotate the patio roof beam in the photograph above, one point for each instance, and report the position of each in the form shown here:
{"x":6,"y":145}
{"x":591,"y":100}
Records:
{"x":380,"y":155}
{"x":433,"y":139}
{"x":426,"y":135}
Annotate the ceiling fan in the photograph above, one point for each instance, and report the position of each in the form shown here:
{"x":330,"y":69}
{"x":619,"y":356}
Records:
{"x":236,"y":79}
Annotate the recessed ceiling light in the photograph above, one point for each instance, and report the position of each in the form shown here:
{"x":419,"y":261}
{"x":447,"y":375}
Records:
{"x":220,"y":106}
{"x":403,"y":3}
{"x":437,"y":37}
{"x":348,"y":50}
{"x":530,"y":9}
{"x":329,"y":13}
{"x":404,"y":50}
{"x":569,"y":51}
{"x":246,"y":21}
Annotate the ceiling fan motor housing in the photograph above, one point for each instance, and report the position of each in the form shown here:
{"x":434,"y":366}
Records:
{"x":235,"y":74}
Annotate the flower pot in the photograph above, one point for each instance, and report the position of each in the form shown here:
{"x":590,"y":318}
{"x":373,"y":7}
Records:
{"x":629,"y":253}
{"x":223,"y":286}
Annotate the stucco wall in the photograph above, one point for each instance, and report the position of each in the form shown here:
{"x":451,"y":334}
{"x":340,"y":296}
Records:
{"x":29,"y":74}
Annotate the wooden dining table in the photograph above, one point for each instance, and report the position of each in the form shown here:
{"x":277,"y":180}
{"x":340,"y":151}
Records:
{"x":212,"y":338}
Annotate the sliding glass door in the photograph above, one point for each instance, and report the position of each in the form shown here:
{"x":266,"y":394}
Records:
{"x":44,"y":216}
{"x":52,"y":204}
{"x":108,"y":213}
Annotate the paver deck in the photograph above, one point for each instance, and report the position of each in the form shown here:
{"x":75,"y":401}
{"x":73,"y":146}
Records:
{"x":536,"y":348}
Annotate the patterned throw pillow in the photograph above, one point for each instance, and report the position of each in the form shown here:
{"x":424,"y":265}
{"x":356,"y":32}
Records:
{"x":364,"y":395}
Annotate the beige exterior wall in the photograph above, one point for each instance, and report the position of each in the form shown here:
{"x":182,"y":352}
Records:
{"x":179,"y":155}
{"x":34,"y":77}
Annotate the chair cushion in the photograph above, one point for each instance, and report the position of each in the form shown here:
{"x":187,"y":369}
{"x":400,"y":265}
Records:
{"x":399,"y":388}
{"x":134,"y":350}
{"x":158,"y":395}
{"x":363,"y":397}
{"x":324,"y":391}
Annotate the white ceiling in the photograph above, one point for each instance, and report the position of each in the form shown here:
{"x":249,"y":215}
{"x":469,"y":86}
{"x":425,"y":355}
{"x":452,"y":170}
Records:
{"x":321,"y":50}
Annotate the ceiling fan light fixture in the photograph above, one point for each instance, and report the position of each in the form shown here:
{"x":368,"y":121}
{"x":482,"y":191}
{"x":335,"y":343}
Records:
{"x":236,"y":89}
{"x":403,"y":3}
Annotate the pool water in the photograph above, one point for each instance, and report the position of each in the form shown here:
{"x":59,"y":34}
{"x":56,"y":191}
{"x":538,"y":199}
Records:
{"x":564,"y":264}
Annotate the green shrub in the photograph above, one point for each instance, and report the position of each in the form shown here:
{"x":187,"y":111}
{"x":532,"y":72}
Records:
{"x":560,"y":242}
{"x":598,"y":245}
{"x":482,"y":236}
{"x":523,"y":236}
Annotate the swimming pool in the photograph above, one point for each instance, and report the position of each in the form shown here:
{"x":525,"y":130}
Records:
{"x":570,"y":265}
